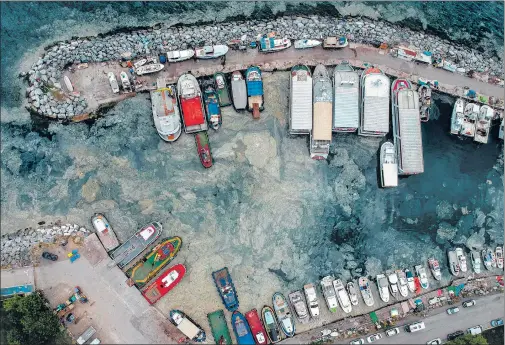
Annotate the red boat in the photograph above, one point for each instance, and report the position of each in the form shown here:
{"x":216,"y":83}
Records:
{"x":417,"y":282}
{"x":257,"y":329}
{"x":190,"y":99}
{"x":203,"y":147}
{"x":399,"y":84}
{"x":165,"y":282}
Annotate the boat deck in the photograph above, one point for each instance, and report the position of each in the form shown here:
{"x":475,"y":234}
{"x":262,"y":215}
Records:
{"x":300,"y":101}
{"x":346,"y":101}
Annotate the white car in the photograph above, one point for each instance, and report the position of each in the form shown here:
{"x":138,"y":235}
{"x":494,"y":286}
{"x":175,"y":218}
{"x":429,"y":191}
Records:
{"x":435,"y":342}
{"x":374,"y":337}
{"x":357,"y":341}
{"x":392,"y":331}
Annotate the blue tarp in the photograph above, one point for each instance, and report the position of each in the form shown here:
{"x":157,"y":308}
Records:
{"x":471,"y":94}
{"x":427,"y":53}
{"x":16,"y":290}
{"x":213,"y":109}
{"x":264,"y":42}
{"x":255,"y":88}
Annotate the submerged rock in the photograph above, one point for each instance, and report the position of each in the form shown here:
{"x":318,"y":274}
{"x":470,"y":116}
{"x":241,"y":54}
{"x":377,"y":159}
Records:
{"x":476,"y":241}
{"x":373,"y":266}
{"x":445,"y":232}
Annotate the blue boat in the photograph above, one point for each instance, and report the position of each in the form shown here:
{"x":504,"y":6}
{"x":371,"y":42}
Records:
{"x":226,"y":289}
{"x":254,"y":91}
{"x":212,"y":107}
{"x":241,"y":329}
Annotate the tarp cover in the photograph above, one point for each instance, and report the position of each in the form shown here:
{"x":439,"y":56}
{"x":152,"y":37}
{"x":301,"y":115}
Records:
{"x":255,"y":88}
{"x":192,"y":111}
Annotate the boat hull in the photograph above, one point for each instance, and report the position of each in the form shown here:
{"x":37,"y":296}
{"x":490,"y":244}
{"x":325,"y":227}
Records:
{"x":203,"y":148}
{"x":187,"y":326}
{"x":286,"y":321}
{"x":219,"y":327}
{"x":212,"y":108}
{"x":254,"y":84}
{"x":271,"y":326}
{"x":257,"y":329}
{"x":191,"y":102}
{"x":160,"y":288}
{"x":241,"y":329}
{"x":226,"y":289}
{"x":104,"y":232}
{"x":222,"y":90}
{"x":239,"y":91}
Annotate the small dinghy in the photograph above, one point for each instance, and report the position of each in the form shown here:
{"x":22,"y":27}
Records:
{"x":304,"y":44}
{"x":211,"y":52}
{"x":140,"y":63}
{"x":180,"y":55}
{"x":222,"y":89}
{"x":334,"y":42}
{"x":104,"y":232}
{"x":147,"y":69}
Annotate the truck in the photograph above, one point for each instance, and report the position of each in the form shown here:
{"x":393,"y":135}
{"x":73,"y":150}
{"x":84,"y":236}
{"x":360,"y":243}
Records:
{"x":86,"y":335}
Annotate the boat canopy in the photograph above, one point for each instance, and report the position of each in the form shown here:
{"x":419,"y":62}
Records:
{"x":301,"y":100}
{"x":254,"y":88}
{"x":376,"y":103}
{"x":188,"y":328}
{"x":390,"y":174}
{"x":346,"y":99}
{"x":100,"y":225}
{"x":192,"y":112}
{"x":322,"y":121}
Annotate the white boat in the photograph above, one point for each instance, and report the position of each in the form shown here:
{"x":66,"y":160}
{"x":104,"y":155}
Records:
{"x":483,"y":124}
{"x":487,"y":258}
{"x":311,"y":297}
{"x":452,"y":259}
{"x":351,"y":289}
{"x":300,"y":100}
{"x":469,"y":119}
{"x":388,"y":165}
{"x":500,"y":132}
{"x":393,"y":284}
{"x":458,"y":113}
{"x":424,"y":92}
{"x":343,"y":297}
{"x":125,"y":81}
{"x":374,"y":103}
{"x":435,"y":268}
{"x":476,"y":261}
{"x":493,"y":257}
{"x":346,"y":98}
{"x":147,"y":69}
{"x":113,"y":82}
{"x":329,"y":293}
{"x":461,"y":259}
{"x":410,"y":280}
{"x":303,"y":44}
{"x":68,"y":84}
{"x":271,"y":44}
{"x":180,"y":55}
{"x":297,"y":302}
{"x":238,"y":90}
{"x":423,"y":277}
{"x":366,"y":291}
{"x":211,"y":52}
{"x":191,"y":102}
{"x":382,"y":284}
{"x":334,"y":42}
{"x":499,"y":257}
{"x":140,"y":63}
{"x":402,"y":283}
{"x":167,"y":119}
{"x":320,"y":136}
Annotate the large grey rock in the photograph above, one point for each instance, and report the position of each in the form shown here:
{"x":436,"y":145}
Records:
{"x":445,"y":232}
{"x":476,"y":241}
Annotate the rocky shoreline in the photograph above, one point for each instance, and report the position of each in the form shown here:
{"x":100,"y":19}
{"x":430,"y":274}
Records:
{"x":47,"y":98}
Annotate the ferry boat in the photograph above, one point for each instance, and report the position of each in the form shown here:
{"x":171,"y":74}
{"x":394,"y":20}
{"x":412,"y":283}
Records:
{"x":374,"y":103}
{"x":300,"y":100}
{"x":469,"y":119}
{"x":393,"y":284}
{"x":425,"y":100}
{"x":382,"y":284}
{"x":320,"y":136}
{"x":147,"y":69}
{"x":257,"y":329}
{"x":125,"y":81}
{"x":222,"y":89}
{"x":241,"y":329}
{"x":346,"y":98}
{"x":270,"y":323}
{"x":254,"y":91}
{"x":407,"y":136}
{"x":402,"y":283}
{"x":211,"y":52}
{"x":212,"y":108}
{"x":329,"y":293}
{"x":271,"y":44}
{"x":366,"y":291}
{"x":190,"y":99}
{"x":219,"y":328}
{"x":304,"y":44}
{"x":286,"y":321}
{"x":167,"y":119}
{"x":453,"y":262}
{"x":155,"y":261}
{"x":499,"y":257}
{"x":461,"y":259}
{"x":299,"y":307}
{"x":311,"y":297}
{"x":435,"y":268}
{"x":423,"y":278}
{"x":487,"y":258}
{"x":203,"y":148}
{"x":187,"y":326}
{"x":476,"y":261}
{"x":238,"y":90}
{"x":483,"y":124}
{"x":388,"y":165}
{"x":457,"y":116}
{"x":351,"y":290}
{"x":410,"y":280}
{"x":136,"y":244}
{"x":180,"y":55}
{"x":334,"y":42}
{"x":113,"y":82}
{"x":225,"y":288}
{"x":104,"y":232}
{"x":164,"y":283}
{"x":343,"y":297}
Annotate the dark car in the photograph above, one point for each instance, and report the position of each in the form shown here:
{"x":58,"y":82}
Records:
{"x":454,"y":335}
{"x":497,"y":322}
{"x":50,"y":256}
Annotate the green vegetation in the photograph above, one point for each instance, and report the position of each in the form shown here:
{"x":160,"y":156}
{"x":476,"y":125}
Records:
{"x":468,"y":339}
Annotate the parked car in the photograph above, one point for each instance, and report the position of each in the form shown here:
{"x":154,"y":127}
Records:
{"x":469,"y":303}
{"x":454,"y":335}
{"x":414,"y":327}
{"x":437,"y":341}
{"x":374,"y":337}
{"x":474,"y":330}
{"x":50,"y":256}
{"x":497,"y":322}
{"x":392,"y":331}
{"x":357,"y":341}
{"x":452,"y":310}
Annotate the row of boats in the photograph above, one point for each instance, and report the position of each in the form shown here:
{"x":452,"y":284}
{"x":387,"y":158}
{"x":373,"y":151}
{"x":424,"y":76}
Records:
{"x":488,"y":258}
{"x":472,"y":120}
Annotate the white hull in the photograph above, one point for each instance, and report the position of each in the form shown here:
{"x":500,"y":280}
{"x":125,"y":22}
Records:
{"x":343,"y":297}
{"x":304,"y":44}
{"x":148,"y":69}
{"x":382,"y":284}
{"x":366,"y":292}
{"x":211,"y":52}
{"x":180,"y":55}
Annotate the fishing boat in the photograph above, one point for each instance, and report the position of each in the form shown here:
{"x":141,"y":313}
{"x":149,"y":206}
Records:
{"x":407,"y":136}
{"x":499,"y":257}
{"x":334,"y":42}
{"x":219,"y":328}
{"x":254,"y":91}
{"x":476,"y":261}
{"x":270,"y":323}
{"x":286,"y":321}
{"x":136,"y":244}
{"x":125,"y":81}
{"x":487,"y":258}
{"x":388,"y":165}
{"x":366,"y":291}
{"x":382,"y":284}
{"x":351,"y":290}
{"x":461,"y":259}
{"x":425,"y":100}
{"x":423,"y":278}
{"x":417,"y":284}
{"x":225,"y":288}
{"x":190,"y":99}
{"x":493,"y":257}
{"x":304,"y":44}
{"x":164,"y":283}
{"x":346,"y":98}
{"x":160,"y":256}
{"x":320,"y":136}
{"x":212,"y":108}
{"x":483,"y":124}
{"x":187,"y":326}
{"x":203,"y":148}
{"x":435,"y":268}
{"x":402,"y":283}
{"x":453,"y":262}
{"x":457,"y":116}
{"x":329,"y":293}
{"x":147,"y":69}
{"x":180,"y":55}
{"x":469,"y":119}
{"x":211,"y":52}
{"x":393,"y":284}
{"x":374,"y":103}
{"x":104,"y":232}
{"x":238,"y":90}
{"x":222,"y":89}
{"x":257,"y":329}
{"x":501,"y":130}
{"x":68,"y":84}
{"x":410,"y":280}
{"x":241,"y":329}
{"x":342,"y":296}
{"x":139,"y":63}
{"x":300,"y":100}
{"x":113,"y":82}
{"x":271,"y":44}
{"x":167,"y":119}
{"x":297,"y":301}
{"x":311,"y":297}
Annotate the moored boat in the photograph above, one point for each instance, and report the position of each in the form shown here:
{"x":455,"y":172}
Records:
{"x":476,"y":261}
{"x":226,"y":289}
{"x":382,"y":284}
{"x":147,"y":69}
{"x":493,"y":257}
{"x":311,"y":297}
{"x":351,"y":290}
{"x":164,"y":283}
{"x":219,"y":328}
{"x":254,"y":91}
{"x":499,"y":257}
{"x":167,"y":119}
{"x":68,"y":84}
{"x":190,"y":99}
{"x":212,"y":108}
{"x":410,"y":280}
{"x":297,"y":301}
{"x":286,"y":321}
{"x":113,"y":82}
{"x":487,"y":258}
{"x":300,"y":100}
{"x":402,"y":283}
{"x":257,"y":329}
{"x":271,"y":325}
{"x":425,"y":100}
{"x":320,"y":135}
{"x":104,"y":232}
{"x":374,"y":103}
{"x":435,"y":268}
{"x":334,"y":42}
{"x":469,"y":119}
{"x":211,"y":52}
{"x":238,"y":90}
{"x":393,"y":284}
{"x":203,"y":148}
{"x":222,"y":89}
{"x":366,"y":291}
{"x":388,"y":165}
{"x":346,"y":98}
{"x":457,"y":116}
{"x":461,"y":259}
{"x":180,"y":55}
{"x":304,"y":44}
{"x":271,"y":44}
{"x":125,"y":81}
{"x":187,"y":326}
{"x":483,"y":124}
{"x":452,"y":259}
{"x":241,"y":329}
{"x":139,"y":63}
{"x":501,"y":130}
{"x":329,"y":293}
{"x":343,"y":297}
{"x":423,"y":278}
